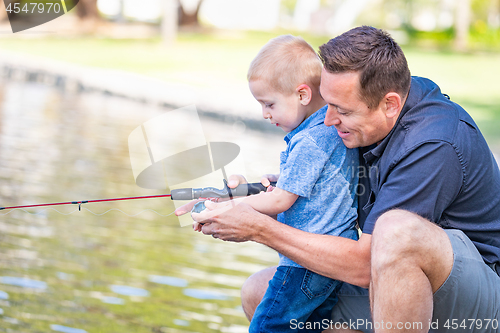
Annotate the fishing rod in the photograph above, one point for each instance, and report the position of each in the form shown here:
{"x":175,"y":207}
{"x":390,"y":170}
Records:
{"x":177,"y":194}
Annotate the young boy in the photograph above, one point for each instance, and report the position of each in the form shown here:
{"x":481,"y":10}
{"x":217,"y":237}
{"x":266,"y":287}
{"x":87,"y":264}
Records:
{"x":315,"y":188}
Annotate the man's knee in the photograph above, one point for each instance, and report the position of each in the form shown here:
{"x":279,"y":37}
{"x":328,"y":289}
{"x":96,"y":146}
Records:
{"x":253,"y":290}
{"x":405,"y":240}
{"x":395,"y":233}
{"x":397,"y":222}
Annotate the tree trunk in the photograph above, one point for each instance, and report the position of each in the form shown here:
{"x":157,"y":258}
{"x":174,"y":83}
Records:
{"x":169,"y":21}
{"x":189,"y":18}
{"x":3,"y":13}
{"x":87,"y":9}
{"x":494,"y":14}
{"x":302,"y":13}
{"x":462,"y":23}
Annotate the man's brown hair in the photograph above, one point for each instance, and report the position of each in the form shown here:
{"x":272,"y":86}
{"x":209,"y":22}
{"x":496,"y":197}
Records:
{"x":375,"y":55}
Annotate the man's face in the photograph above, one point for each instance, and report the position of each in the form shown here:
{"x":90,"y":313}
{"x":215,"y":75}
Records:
{"x":356,"y":124}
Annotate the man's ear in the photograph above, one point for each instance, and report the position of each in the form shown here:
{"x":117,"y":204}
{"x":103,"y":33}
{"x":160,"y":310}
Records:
{"x":392,"y":104}
{"x":305,"y":94}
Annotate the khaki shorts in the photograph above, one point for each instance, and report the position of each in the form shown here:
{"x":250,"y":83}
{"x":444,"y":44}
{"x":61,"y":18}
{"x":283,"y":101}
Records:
{"x":468,"y":301}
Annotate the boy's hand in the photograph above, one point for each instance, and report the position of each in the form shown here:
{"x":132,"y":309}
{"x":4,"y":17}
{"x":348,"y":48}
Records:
{"x":267,"y":179}
{"x":235,"y":180}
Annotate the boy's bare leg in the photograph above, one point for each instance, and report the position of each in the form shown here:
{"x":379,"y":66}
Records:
{"x":253,"y":290}
{"x":410,"y":259}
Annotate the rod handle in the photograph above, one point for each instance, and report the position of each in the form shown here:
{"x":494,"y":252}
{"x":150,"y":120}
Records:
{"x":247,"y":189}
{"x":211,"y":192}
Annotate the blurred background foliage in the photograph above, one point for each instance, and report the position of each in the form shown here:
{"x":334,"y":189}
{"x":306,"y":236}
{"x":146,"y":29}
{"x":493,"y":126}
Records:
{"x":209,"y":42}
{"x":460,"y":24}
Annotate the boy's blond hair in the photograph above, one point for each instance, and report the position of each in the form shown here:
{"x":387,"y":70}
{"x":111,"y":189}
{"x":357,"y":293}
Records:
{"x":286,"y":62}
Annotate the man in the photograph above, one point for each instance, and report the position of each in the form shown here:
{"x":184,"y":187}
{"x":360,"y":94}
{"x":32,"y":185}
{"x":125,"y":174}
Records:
{"x":430,"y":203}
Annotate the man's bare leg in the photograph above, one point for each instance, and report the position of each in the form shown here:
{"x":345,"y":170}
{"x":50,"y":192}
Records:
{"x":253,"y":290}
{"x":410,"y":259}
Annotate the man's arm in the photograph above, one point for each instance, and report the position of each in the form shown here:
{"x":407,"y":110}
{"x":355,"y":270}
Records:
{"x":336,"y":257}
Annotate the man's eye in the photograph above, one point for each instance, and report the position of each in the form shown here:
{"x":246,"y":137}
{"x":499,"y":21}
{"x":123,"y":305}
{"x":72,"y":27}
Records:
{"x":341,"y":113}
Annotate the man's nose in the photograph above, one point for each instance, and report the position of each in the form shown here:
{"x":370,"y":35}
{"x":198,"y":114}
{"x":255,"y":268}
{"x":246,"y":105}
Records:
{"x":331,"y":118}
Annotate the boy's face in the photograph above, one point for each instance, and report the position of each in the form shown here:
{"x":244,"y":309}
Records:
{"x":284,"y":111}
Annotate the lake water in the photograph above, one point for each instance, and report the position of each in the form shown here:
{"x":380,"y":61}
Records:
{"x":123,"y":266}
{"x":92,"y":271}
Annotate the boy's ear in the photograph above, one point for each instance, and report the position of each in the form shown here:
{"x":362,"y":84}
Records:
{"x":305,"y":94}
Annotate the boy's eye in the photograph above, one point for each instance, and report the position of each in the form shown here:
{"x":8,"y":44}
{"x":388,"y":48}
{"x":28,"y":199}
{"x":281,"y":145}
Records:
{"x":267,"y":105}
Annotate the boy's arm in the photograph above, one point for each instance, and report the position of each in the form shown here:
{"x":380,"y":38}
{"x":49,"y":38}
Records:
{"x":271,"y":203}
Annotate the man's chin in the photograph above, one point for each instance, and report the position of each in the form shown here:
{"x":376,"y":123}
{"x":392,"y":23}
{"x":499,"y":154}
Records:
{"x":349,"y":144}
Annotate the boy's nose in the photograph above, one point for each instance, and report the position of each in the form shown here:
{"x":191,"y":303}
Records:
{"x":265,"y":114}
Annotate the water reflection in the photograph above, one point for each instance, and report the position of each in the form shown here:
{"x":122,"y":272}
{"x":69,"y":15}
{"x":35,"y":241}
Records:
{"x":65,"y":329}
{"x":129,"y":291}
{"x":109,"y":273}
{"x":113,"y":300}
{"x":205,"y":294}
{"x":168,"y":280}
{"x":23,"y":282}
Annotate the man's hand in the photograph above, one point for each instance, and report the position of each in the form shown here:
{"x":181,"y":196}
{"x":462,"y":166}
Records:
{"x":231,"y":220}
{"x":205,"y":217}
{"x":187,"y":207}
{"x":233,"y":181}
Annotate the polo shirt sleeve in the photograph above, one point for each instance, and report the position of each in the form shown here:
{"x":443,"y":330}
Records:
{"x":425,"y":182}
{"x":303,"y":166}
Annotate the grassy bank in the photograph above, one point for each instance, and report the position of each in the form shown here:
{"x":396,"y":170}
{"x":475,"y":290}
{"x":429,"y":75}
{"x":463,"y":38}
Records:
{"x":205,"y":59}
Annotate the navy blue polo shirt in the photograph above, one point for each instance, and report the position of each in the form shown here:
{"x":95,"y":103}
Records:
{"x":436,"y":163}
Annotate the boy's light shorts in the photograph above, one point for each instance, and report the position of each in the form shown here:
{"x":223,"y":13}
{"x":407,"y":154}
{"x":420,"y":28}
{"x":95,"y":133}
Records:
{"x":468,"y":301}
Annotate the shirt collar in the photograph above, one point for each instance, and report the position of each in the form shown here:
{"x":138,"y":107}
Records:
{"x":316,"y":118}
